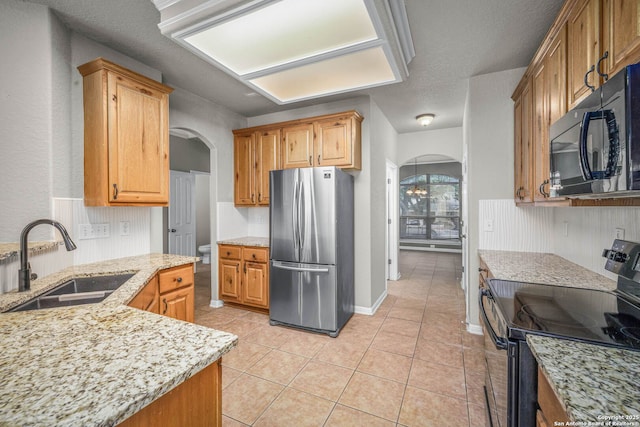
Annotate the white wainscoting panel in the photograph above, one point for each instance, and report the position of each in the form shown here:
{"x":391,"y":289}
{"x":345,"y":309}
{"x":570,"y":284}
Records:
{"x":514,"y":229}
{"x":590,"y":230}
{"x":72,"y":213}
{"x":42,"y":264}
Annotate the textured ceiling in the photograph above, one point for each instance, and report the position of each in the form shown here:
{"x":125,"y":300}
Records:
{"x":453,"y":39}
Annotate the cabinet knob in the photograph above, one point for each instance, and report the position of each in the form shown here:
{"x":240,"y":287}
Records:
{"x":179,"y":280}
{"x":310,"y":161}
{"x":115,"y":191}
{"x":318,"y":158}
{"x":166,"y":306}
{"x":253,"y":256}
{"x":228,"y":253}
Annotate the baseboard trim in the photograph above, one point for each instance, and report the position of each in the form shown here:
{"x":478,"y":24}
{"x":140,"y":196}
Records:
{"x":474,"y":329}
{"x":216,"y":303}
{"x":370,"y":311}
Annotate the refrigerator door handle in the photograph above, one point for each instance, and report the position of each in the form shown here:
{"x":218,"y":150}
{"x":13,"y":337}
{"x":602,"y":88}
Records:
{"x":301,"y":269}
{"x":294,"y":216}
{"x":302,"y":223}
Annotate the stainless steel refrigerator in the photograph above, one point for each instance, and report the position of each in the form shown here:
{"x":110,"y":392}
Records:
{"x":311,"y":280}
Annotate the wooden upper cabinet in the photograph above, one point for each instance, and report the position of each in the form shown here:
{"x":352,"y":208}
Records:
{"x":254,"y":155}
{"x":268,"y":159}
{"x":244,"y":169}
{"x":555,"y":64}
{"x":297,"y":145}
{"x":583,"y":29}
{"x":540,"y":134}
{"x":126,"y":137}
{"x":523,"y":116}
{"x":621,"y":33}
{"x":338,"y":142}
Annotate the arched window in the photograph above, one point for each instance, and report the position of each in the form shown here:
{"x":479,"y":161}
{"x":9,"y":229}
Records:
{"x":430,"y":207}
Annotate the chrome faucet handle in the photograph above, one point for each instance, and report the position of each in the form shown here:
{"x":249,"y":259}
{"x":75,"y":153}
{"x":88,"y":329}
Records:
{"x":34,"y":276}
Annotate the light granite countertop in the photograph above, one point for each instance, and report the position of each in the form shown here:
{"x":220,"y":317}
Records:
{"x":548,"y":269}
{"x":246,"y":241}
{"x":594,"y":383}
{"x":97,"y":364}
{"x":9,"y":250}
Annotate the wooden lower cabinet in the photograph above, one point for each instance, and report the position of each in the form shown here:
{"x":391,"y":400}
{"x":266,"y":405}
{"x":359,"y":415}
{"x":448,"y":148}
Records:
{"x":243,"y":275}
{"x":147,"y":298}
{"x":178,"y":304}
{"x":197,"y":402}
{"x":551,"y":410}
{"x":170,"y":293}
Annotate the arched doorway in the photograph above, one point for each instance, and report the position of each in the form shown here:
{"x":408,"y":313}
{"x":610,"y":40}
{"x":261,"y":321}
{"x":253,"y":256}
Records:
{"x":210,"y":187}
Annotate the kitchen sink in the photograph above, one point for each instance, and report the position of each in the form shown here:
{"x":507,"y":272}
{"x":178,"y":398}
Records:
{"x":76,"y":291}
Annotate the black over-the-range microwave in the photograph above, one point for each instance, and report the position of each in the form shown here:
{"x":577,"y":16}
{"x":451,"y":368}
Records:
{"x":595,"y":147}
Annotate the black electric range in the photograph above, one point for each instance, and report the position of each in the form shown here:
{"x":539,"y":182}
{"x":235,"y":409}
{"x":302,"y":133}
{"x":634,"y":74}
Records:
{"x":583,"y":314}
{"x":510,"y":310}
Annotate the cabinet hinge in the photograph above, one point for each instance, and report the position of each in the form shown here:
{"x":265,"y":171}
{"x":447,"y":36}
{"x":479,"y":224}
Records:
{"x":388,"y":180}
{"x":389,"y":261}
{"x":389,"y":221}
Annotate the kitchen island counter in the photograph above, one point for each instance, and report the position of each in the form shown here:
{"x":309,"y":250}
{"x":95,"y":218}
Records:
{"x":592,"y":382}
{"x":548,"y":269}
{"x":97,"y":364}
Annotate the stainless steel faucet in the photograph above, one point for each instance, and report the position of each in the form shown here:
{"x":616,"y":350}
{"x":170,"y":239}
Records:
{"x":24,"y":275}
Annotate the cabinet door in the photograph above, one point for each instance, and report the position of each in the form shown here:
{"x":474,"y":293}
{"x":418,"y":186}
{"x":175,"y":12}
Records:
{"x":621,"y":33}
{"x":244,"y":169}
{"x":556,"y":76}
{"x":540,"y":134}
{"x":147,"y":298}
{"x":255,"y":284}
{"x":268,"y":159}
{"x":297,"y":146}
{"x":229,"y":280}
{"x":179,"y":304}
{"x":333,"y":143}
{"x":584,"y":48}
{"x":523,"y":135}
{"x":138,"y":142}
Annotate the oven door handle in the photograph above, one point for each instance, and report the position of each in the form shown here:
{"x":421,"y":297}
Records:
{"x":500,"y":343}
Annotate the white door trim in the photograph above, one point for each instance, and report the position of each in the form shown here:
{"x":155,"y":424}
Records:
{"x":393,"y":209}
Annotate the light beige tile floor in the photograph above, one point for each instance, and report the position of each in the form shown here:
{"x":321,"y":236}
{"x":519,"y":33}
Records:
{"x":410,"y":364}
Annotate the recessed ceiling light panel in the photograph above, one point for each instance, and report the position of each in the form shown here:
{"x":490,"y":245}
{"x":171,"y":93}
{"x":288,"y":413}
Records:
{"x":291,"y":50}
{"x":358,"y":70}
{"x":284,"y":31}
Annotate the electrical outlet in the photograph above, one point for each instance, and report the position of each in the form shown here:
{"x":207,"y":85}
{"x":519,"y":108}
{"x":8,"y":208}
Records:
{"x":93,"y":231}
{"x":619,"y":233}
{"x":488,"y":225}
{"x":125,"y":228}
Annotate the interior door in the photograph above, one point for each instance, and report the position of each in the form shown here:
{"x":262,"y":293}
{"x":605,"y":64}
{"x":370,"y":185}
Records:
{"x":182,"y":214}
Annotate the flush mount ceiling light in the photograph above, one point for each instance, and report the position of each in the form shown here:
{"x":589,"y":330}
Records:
{"x":425,"y":119}
{"x":292,"y":50}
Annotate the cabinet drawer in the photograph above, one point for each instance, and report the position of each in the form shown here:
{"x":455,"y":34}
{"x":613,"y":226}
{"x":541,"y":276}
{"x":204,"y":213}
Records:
{"x":230,"y":252}
{"x":174,"y":278}
{"x":255,"y":254}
